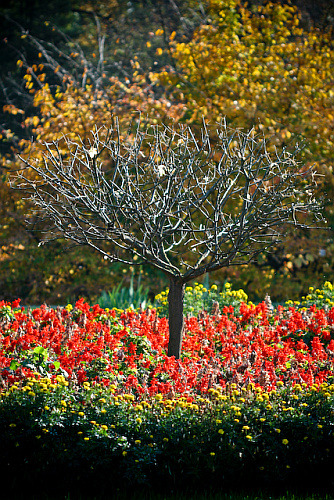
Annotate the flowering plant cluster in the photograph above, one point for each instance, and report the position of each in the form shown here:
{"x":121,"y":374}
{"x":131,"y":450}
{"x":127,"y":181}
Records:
{"x":89,"y":390}
{"x":198,"y":297}
{"x":129,"y":349}
{"x":320,"y":298}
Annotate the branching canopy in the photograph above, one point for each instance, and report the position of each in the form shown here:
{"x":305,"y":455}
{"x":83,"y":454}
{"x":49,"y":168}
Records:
{"x":186,"y":204}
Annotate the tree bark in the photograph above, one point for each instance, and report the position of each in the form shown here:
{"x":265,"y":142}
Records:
{"x":176,"y":321}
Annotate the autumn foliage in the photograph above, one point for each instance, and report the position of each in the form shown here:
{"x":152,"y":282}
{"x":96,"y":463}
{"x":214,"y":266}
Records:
{"x":256,"y":65}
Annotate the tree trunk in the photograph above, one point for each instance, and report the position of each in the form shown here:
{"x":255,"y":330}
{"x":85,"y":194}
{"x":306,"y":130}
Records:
{"x":175,"y":310}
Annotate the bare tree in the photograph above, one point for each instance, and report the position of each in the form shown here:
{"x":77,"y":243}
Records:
{"x":169,"y":198}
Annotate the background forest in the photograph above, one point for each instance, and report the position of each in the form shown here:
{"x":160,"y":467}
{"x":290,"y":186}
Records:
{"x":67,"y":65}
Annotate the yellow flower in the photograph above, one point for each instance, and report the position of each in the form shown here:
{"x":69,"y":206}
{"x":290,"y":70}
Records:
{"x":221,"y":431}
{"x":285,"y":441}
{"x":165,"y":440}
{"x":138,"y":441}
{"x":86,"y":439}
{"x":104,"y":427}
{"x":212,"y":453}
{"x":81,"y":414}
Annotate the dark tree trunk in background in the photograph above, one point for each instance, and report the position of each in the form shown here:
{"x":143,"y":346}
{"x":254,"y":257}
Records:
{"x":176,"y":322}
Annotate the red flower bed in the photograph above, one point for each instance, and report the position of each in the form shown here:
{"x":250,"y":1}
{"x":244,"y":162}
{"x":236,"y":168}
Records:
{"x":129,"y":350}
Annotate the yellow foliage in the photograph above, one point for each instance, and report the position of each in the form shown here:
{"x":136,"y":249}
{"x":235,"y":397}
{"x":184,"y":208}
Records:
{"x":256,"y":65}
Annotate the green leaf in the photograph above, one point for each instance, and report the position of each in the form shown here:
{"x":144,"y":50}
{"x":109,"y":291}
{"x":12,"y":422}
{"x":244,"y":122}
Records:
{"x":14,"y":365}
{"x":41,"y":351}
